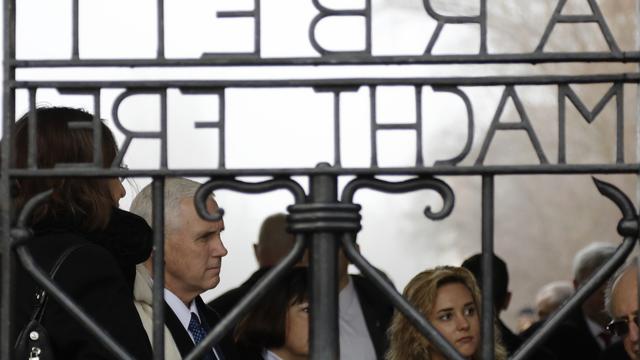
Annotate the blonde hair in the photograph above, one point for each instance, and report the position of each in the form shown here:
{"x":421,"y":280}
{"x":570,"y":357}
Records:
{"x":405,"y":341}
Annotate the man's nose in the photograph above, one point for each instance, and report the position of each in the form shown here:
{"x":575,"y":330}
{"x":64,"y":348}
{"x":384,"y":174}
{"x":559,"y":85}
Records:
{"x":218,"y":249}
{"x":634,"y":332}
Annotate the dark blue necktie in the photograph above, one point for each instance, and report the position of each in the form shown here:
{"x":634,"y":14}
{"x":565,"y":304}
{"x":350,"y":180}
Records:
{"x":199,"y":334}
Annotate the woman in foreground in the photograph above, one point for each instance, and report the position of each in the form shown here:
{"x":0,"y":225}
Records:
{"x":98,"y":275}
{"x":449,"y":299}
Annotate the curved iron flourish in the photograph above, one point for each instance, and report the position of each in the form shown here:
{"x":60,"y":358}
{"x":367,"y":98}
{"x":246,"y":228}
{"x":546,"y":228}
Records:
{"x":421,"y":183}
{"x":207,"y":188}
{"x":628,"y":226}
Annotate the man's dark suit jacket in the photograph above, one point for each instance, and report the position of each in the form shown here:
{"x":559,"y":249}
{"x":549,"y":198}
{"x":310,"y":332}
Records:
{"x":615,"y":352}
{"x":572,"y":339}
{"x":377,"y":310}
{"x":208,"y":318}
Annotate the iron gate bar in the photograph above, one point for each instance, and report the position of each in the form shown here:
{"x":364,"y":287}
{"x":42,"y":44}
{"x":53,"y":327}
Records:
{"x":547,"y":169}
{"x":337,"y":60}
{"x":157,"y":216}
{"x":625,"y":77}
{"x":323,"y":263}
{"x":22,"y":234}
{"x":488,"y":307}
{"x":628,"y":228}
{"x":8,"y":112}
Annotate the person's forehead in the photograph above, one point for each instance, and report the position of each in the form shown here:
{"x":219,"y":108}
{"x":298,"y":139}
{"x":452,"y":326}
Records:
{"x":188,"y":205}
{"x":624,"y":295}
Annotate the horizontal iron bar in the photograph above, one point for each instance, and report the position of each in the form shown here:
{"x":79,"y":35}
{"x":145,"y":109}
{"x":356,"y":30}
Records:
{"x":435,"y":170}
{"x":248,"y":59}
{"x":413,"y":81}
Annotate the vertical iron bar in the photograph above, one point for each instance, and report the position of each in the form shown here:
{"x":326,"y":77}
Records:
{"x":487,"y":267}
{"x":374,"y":126}
{"x":163,"y":128}
{"x":97,"y":132}
{"x":418,"y":93}
{"x":221,"y":131}
{"x":8,"y":96}
{"x":256,"y":28}
{"x":158,"y":267}
{"x":323,"y":258}
{"x":31,"y":134}
{"x":75,"y":32}
{"x":160,"y":22}
{"x":336,"y":129}
{"x":638,"y":105}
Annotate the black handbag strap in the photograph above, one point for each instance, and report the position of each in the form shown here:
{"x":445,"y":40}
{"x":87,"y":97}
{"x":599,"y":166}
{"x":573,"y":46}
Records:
{"x":41,"y":294}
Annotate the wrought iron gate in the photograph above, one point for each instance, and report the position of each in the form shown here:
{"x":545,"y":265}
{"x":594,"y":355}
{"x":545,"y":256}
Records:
{"x":323,"y":219}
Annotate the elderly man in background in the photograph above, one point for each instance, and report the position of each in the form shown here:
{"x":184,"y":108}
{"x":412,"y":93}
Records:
{"x":582,"y":335}
{"x":193,"y":252}
{"x":551,"y":296}
{"x":622,"y":305}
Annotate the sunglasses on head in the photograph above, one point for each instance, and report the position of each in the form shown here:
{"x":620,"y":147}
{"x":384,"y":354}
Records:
{"x":620,"y":327}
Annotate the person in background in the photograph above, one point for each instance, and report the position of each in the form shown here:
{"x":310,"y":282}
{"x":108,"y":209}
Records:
{"x":274,"y":243}
{"x":526,"y":317}
{"x":278,"y":327}
{"x":582,"y":335}
{"x":364,"y":315}
{"x":99,"y":274}
{"x":501,"y":295}
{"x":193,"y":252}
{"x":551,"y":296}
{"x":450,"y":299}
{"x":621,"y":302}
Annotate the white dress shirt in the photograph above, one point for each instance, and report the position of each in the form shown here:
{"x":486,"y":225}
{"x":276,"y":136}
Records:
{"x":355,"y":342}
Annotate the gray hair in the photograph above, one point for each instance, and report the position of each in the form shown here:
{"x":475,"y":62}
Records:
{"x":555,"y":292}
{"x":175,"y":190}
{"x":630,"y":264}
{"x":590,"y":258}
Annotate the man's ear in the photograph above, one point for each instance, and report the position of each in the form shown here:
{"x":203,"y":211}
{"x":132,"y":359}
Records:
{"x":256,"y":252}
{"x":507,"y":301}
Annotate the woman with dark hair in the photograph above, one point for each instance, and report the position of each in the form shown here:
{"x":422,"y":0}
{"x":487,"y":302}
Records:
{"x":449,"y":298}
{"x":99,"y":274}
{"x":278,"y":327}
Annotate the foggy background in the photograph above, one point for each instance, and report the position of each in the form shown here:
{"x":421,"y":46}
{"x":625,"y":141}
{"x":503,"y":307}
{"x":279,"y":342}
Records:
{"x":540,"y":221}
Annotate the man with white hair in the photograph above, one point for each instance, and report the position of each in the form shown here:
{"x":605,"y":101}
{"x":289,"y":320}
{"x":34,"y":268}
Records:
{"x":582,"y":335}
{"x":193,"y":252}
{"x":551,"y":296}
{"x":622,"y":305}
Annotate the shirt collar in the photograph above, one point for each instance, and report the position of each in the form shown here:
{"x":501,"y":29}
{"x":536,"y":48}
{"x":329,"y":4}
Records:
{"x":180,"y":309}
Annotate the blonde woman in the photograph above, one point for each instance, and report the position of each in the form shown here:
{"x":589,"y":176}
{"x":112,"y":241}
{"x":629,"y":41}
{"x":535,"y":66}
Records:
{"x":450,"y":299}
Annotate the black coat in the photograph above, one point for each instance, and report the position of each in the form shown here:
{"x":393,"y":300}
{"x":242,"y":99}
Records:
{"x":98,"y":276}
{"x":571,"y":339}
